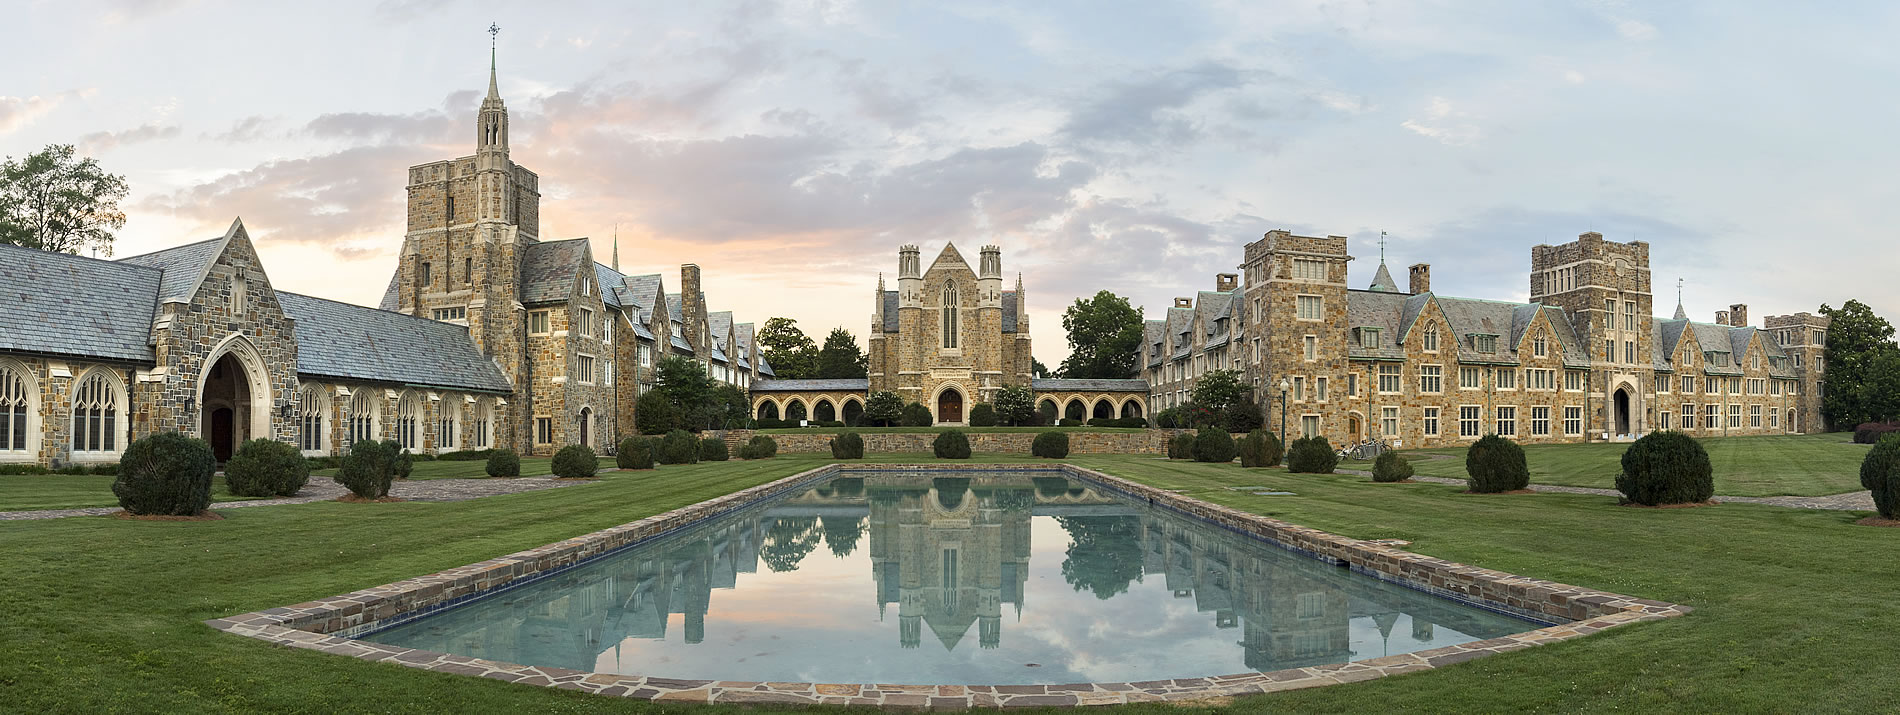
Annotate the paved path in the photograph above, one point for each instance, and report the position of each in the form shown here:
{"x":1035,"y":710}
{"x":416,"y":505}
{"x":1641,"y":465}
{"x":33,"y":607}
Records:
{"x":325,"y":488}
{"x":1849,"y":501}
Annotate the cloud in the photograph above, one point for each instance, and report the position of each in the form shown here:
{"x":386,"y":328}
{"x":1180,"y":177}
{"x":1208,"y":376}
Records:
{"x":426,"y":127}
{"x":17,"y":112}
{"x":100,"y":142}
{"x":1635,"y":30}
{"x":247,"y":129}
{"x":337,"y":199}
{"x":123,"y":11}
{"x":1147,"y":109}
{"x":1445,"y":124}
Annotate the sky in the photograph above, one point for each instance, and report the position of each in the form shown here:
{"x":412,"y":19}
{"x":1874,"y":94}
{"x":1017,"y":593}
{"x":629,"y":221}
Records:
{"x":790,"y":148}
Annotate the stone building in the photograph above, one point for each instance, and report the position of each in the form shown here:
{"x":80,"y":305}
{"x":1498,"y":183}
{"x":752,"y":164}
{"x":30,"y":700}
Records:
{"x":948,"y":338}
{"x":486,"y":337}
{"x":1583,"y":360}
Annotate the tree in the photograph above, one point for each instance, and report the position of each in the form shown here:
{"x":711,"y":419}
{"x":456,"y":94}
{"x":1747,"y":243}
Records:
{"x":1104,"y":553}
{"x":883,"y":409}
{"x":792,"y":355}
{"x":842,"y":533}
{"x":840,"y":357}
{"x":689,"y":390}
{"x":1015,"y":406}
{"x":787,"y":541}
{"x":1219,"y":390}
{"x":730,"y":407}
{"x":1038,"y":369}
{"x":53,"y":201}
{"x":1859,"y":346}
{"x":1104,"y":337}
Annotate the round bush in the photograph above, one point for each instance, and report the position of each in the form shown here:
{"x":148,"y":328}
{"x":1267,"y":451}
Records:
{"x":1181,"y":446}
{"x":575,"y":461}
{"x":1259,"y":448}
{"x":916,"y":415}
{"x":1495,"y":464}
{"x":1311,"y":455}
{"x":369,"y":468}
{"x":1880,"y":474}
{"x":1243,"y":417}
{"x":265,"y":468}
{"x":1050,"y":445}
{"x":679,"y":447}
{"x":1213,"y":444}
{"x":847,"y":446}
{"x":634,"y":453}
{"x":951,"y":444}
{"x":503,"y":462}
{"x":713,"y":449}
{"x":1390,"y":467}
{"x":165,"y":474}
{"x":759,"y":447}
{"x":653,"y":413}
{"x":1666,"y":468}
{"x":404,"y":462}
{"x":982,"y":415}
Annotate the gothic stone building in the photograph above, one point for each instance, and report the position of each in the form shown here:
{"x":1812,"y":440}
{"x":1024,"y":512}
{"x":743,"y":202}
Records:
{"x":948,"y":338}
{"x":486,"y":337}
{"x":1583,"y":360}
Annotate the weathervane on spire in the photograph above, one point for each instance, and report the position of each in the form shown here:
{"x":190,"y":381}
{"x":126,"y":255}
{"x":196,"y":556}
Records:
{"x":1678,"y":291}
{"x":1381,"y":246}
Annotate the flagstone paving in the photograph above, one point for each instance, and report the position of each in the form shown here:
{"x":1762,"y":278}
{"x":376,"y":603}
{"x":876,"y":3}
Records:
{"x":325,"y":488}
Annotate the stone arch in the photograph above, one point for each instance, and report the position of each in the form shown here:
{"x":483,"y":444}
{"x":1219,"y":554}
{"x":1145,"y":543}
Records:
{"x":365,"y":417}
{"x":449,"y":435}
{"x":250,"y":390}
{"x":19,"y":413}
{"x":1790,"y":423}
{"x":1355,"y":426}
{"x":950,"y":405}
{"x":795,"y":409}
{"x":1075,"y":410}
{"x":851,"y":411}
{"x":767,"y":409}
{"x":1104,"y":409}
{"x":409,"y":420}
{"x":482,"y":429}
{"x":584,"y":419}
{"x":824,"y":411}
{"x":100,"y":420}
{"x":313,"y":412}
{"x":1132,"y":408}
{"x":1048,"y":409}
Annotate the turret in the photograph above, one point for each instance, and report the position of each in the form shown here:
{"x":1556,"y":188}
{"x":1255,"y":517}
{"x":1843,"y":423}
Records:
{"x":989,"y":278}
{"x":910,"y":277}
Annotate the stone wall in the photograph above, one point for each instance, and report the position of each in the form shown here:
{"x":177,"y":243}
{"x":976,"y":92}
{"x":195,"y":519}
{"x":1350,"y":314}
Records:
{"x":1154,"y":441}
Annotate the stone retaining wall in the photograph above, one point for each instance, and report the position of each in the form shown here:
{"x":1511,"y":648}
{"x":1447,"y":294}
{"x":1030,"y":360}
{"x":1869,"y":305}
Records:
{"x":1153,"y":441}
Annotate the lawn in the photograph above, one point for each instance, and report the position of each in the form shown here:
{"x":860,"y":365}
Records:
{"x":472,"y":469}
{"x":1793,"y":613}
{"x":25,"y":492}
{"x":1776,"y":465}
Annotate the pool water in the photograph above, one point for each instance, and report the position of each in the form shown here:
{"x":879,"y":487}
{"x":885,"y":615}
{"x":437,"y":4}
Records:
{"x":980,"y":578}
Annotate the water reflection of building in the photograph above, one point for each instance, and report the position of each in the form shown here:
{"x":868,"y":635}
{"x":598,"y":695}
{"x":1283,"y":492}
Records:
{"x":950,"y":552}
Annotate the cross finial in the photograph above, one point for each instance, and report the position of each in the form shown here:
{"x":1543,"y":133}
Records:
{"x":1381,"y":246}
{"x":1678,"y":291}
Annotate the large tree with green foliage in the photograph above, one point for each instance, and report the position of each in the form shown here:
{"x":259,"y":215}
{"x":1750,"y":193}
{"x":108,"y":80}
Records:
{"x":840,"y":357}
{"x":1038,"y":369}
{"x":1104,"y":337}
{"x":1104,"y":554}
{"x":1015,"y":406}
{"x":1219,"y":390}
{"x":1862,"y":361}
{"x":883,"y":408}
{"x":690,"y":391}
{"x":792,"y":355}
{"x":53,"y":200}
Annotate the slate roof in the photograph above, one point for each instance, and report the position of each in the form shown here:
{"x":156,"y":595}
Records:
{"x":1395,"y":314}
{"x":1382,"y":281}
{"x":1153,"y":339}
{"x":1716,"y":338}
{"x":644,"y":290}
{"x":890,"y":311}
{"x":720,"y":324}
{"x":548,"y":270}
{"x":610,"y":282}
{"x":185,"y":267}
{"x":1181,"y":322}
{"x":344,"y":340}
{"x":390,"y":294}
{"x":62,"y":304}
{"x":640,"y":331}
{"x":1009,"y":311}
{"x":834,"y":384}
{"x":681,"y":345}
{"x":1049,"y":384}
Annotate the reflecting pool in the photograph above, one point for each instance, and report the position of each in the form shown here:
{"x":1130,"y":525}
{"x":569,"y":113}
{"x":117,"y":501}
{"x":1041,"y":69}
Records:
{"x":978,"y":578}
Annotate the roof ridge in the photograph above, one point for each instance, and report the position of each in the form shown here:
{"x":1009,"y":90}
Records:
{"x":154,"y":253}
{"x":112,"y":261}
{"x":463,"y":328}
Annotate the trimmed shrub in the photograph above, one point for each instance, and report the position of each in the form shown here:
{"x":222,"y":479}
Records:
{"x":1066,"y":422}
{"x":265,"y":468}
{"x":1259,"y":448}
{"x":404,"y":463}
{"x":575,"y":461}
{"x":982,"y":415}
{"x":679,"y":447}
{"x":329,"y":461}
{"x":165,"y":474}
{"x":1243,"y":417}
{"x":1666,"y":467}
{"x":847,"y":446}
{"x":111,"y":469}
{"x":23,"y":469}
{"x":503,"y":462}
{"x":713,"y":449}
{"x":634,"y":453}
{"x":1181,"y":446}
{"x":916,"y":415}
{"x":1104,"y":422}
{"x":1495,"y":464}
{"x":1168,"y":419}
{"x":1213,"y":444}
{"x":466,"y":455}
{"x":1390,"y":467}
{"x":369,"y":469}
{"x":759,"y":447}
{"x":1050,"y":445}
{"x":1880,"y":474}
{"x":1311,"y":455}
{"x":1871,"y":432}
{"x":73,"y":469}
{"x":951,"y":444}
{"x":653,"y":413}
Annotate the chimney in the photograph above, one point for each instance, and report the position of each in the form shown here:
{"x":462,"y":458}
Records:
{"x":1721,"y":317}
{"x":1226,"y":282}
{"x":1183,"y":302}
{"x":1421,"y":278}
{"x":693,"y":311}
{"x":1738,"y":315}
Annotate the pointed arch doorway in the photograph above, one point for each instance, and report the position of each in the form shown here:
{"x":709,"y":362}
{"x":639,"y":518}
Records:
{"x":234,"y":398}
{"x":950,"y":406}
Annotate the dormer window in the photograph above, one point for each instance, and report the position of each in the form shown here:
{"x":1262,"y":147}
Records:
{"x":1220,"y":326}
{"x":1369,"y":338}
{"x":1484,"y":344}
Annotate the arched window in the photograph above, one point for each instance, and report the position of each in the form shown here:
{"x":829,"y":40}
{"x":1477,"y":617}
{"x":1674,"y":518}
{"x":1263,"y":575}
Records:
{"x":364,"y":413}
{"x":448,"y":423}
{"x":409,"y":421}
{"x":587,"y":424}
{"x":1431,"y":339}
{"x":950,"y":314}
{"x":98,"y":409}
{"x":484,"y":421}
{"x":18,"y":395}
{"x":312,"y":407}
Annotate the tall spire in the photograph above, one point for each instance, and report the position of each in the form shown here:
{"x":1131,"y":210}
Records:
{"x":616,"y":248}
{"x":493,"y":31}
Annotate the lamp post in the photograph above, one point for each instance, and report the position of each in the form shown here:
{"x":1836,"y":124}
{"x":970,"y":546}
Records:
{"x":1283,"y":387}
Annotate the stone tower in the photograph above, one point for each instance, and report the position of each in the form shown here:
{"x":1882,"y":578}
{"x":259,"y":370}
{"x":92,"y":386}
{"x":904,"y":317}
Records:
{"x":1604,"y":288}
{"x":468,"y":222}
{"x":1804,"y":337}
{"x":1281,"y":269}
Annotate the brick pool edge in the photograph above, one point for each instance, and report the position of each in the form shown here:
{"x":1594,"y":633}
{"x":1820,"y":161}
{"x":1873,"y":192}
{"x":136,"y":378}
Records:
{"x":327,"y":624}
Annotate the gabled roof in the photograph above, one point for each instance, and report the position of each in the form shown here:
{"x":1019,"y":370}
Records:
{"x":610,"y":282}
{"x":548,"y":270}
{"x":644,"y":290}
{"x":344,"y":340}
{"x":184,"y":266}
{"x":1153,"y":336}
{"x":62,"y":304}
{"x":1049,"y":384}
{"x":949,"y":255}
{"x":1716,"y":338}
{"x":720,"y":324}
{"x":1396,"y":314}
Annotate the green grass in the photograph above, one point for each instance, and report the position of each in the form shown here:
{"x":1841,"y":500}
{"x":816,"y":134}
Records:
{"x":470,"y":469}
{"x":1776,"y":465}
{"x":1794,"y":606}
{"x":27,"y":492}
{"x":934,"y":430}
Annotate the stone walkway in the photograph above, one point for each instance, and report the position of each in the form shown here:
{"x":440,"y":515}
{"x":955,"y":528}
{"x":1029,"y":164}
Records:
{"x":1849,"y":501}
{"x":325,"y":488}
